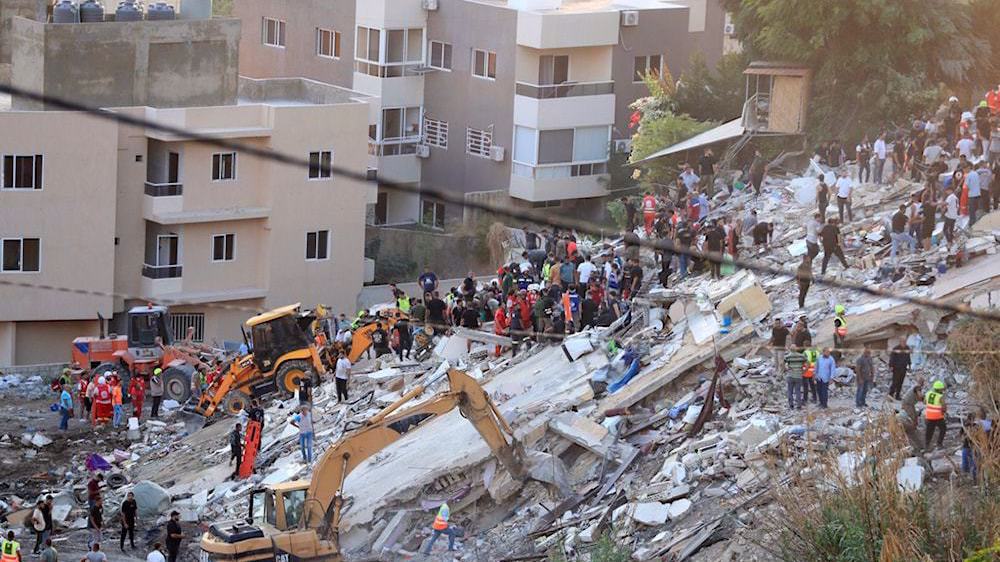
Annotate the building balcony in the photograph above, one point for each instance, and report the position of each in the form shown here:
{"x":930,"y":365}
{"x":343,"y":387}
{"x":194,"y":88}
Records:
{"x":556,"y":29}
{"x":558,"y":181}
{"x":396,"y":160}
{"x":160,"y":280}
{"x":162,"y":271}
{"x":162,"y":199}
{"x":564,"y":106}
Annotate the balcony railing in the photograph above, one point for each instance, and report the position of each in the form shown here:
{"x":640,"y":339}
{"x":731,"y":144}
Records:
{"x":161,"y":271}
{"x":164,"y":189}
{"x":564,"y":90}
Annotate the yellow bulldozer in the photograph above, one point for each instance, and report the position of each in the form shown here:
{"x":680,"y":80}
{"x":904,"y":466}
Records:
{"x":299,"y":520}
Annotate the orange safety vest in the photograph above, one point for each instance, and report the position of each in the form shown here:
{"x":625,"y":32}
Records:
{"x":9,"y":550}
{"x":440,"y":523}
{"x":934,"y":411}
{"x":116,"y":395}
{"x":811,"y":357}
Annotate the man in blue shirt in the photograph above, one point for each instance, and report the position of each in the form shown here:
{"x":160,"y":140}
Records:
{"x":65,"y":407}
{"x":428,"y":281}
{"x":825,"y":366}
{"x":972,"y":180}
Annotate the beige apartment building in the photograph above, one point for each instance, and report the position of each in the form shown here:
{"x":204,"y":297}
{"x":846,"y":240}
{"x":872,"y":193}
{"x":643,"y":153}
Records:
{"x":125,"y":215}
{"x":502,"y":100}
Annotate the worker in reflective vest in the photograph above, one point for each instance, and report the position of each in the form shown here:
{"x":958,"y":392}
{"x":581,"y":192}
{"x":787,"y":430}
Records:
{"x":934,"y":413}
{"x":441,"y":527}
{"x":839,"y":326}
{"x":103,"y":409}
{"x":10,"y":550}
{"x":808,"y":372}
{"x":648,"y":213}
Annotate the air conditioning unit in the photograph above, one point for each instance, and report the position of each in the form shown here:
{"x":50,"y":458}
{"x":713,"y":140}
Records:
{"x":630,"y":18}
{"x":729,"y":29}
{"x":497,"y":153}
{"x":429,"y":5}
{"x":623,"y":146}
{"x":423,"y":151}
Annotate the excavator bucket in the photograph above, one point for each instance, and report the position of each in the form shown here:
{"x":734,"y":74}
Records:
{"x":192,"y":417}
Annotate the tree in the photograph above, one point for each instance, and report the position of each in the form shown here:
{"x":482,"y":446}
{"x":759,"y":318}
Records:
{"x":874,"y":61}
{"x":659,"y":126}
{"x":223,"y":7}
{"x":713,"y":95}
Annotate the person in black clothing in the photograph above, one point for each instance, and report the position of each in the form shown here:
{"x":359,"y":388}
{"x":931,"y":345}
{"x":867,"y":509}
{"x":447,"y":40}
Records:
{"x":402,"y":328}
{"x":588,"y":311}
{"x":95,"y":522}
{"x":714,"y":235}
{"x":47,"y":516}
{"x":683,"y":239}
{"x":516,"y":329}
{"x":127,"y":514}
{"x":829,"y":235}
{"x":630,"y":218}
{"x":864,"y":156}
{"x":823,"y":198}
{"x":380,"y":340}
{"x":634,"y":273}
{"x":899,"y":362}
{"x":256,"y":413}
{"x":470,"y":321}
{"x":706,"y":170}
{"x":762,"y":233}
{"x":305,"y":390}
{"x":436,"y":313}
{"x":174,"y":536}
{"x":757,"y":169}
{"x":469,"y":285}
{"x":236,"y":447}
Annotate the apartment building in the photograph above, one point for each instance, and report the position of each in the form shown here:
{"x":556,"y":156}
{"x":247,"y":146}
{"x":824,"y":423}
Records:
{"x":503,"y":100}
{"x":125,"y":215}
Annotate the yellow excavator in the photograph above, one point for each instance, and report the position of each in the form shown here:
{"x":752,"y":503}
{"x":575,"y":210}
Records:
{"x":299,"y":520}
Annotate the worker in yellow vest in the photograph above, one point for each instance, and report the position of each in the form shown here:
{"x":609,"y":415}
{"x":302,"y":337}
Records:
{"x":934,"y":413}
{"x":10,"y":550}
{"x":839,"y":326}
{"x":808,"y":374}
{"x":403,"y":303}
{"x":441,"y":527}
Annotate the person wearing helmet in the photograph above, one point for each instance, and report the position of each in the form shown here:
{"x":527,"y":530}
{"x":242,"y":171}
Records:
{"x":156,"y":392}
{"x":935,"y":411}
{"x":839,"y":326}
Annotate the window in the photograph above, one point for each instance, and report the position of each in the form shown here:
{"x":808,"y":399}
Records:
{"x":19,"y":255}
{"x":595,"y":169}
{"x":400,"y":123}
{"x":553,"y":69}
{"x":484,"y":64}
{"x":555,"y":146}
{"x":328,"y":43}
{"x":478,"y":142}
{"x":388,"y":53}
{"x":22,"y":172}
{"x":435,"y":133}
{"x":440,"y":55}
{"x":432,"y":214}
{"x":320,"y":165}
{"x":273,"y":32}
{"x":546,"y":204}
{"x":224,"y":166}
{"x":179,"y":324}
{"x":223,"y":246}
{"x":317,"y":245}
{"x":648,"y":64}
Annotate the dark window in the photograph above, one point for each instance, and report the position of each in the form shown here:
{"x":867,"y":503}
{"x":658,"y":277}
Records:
{"x":222,"y":247}
{"x":22,"y":172}
{"x":320,"y":164}
{"x":224,"y":166}
{"x":317,"y":245}
{"x":20,"y":254}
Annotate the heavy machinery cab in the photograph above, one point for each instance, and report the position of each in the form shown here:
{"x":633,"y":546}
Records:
{"x":145,"y":325}
{"x":279,"y":506}
{"x":275,"y":333}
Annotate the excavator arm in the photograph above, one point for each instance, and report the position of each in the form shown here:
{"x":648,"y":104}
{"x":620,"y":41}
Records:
{"x":325,"y":499}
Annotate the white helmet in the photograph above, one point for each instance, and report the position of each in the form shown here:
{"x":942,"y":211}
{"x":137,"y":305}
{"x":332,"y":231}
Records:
{"x":102,"y":380}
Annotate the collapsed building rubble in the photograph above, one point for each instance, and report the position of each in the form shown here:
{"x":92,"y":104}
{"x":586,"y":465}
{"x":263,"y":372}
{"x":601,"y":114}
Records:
{"x":670,"y":438}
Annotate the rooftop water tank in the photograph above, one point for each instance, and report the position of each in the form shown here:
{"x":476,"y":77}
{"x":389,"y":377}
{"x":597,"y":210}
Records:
{"x":128,"y":11}
{"x":65,"y":11}
{"x":160,"y":11}
{"x":91,"y":11}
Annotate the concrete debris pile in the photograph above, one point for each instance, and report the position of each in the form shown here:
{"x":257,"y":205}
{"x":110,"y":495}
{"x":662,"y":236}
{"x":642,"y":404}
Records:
{"x":670,"y":425}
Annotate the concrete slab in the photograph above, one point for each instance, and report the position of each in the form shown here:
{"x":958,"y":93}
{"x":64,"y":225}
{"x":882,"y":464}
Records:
{"x":582,"y":431}
{"x":650,"y":513}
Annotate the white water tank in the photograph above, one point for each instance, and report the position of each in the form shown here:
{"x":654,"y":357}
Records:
{"x":195,"y":9}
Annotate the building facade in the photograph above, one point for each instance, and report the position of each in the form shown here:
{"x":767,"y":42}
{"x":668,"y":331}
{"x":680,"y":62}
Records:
{"x":503,"y":100}
{"x":119,"y":215}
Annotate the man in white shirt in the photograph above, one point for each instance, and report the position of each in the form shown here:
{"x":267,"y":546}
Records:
{"x":584,"y":271}
{"x":844,"y":189}
{"x":155,"y":555}
{"x":812,"y":235}
{"x":880,"y":155}
{"x":950,"y":214}
{"x":690,"y":178}
{"x":932,"y":151}
{"x":342,"y":371}
{"x":965,"y":145}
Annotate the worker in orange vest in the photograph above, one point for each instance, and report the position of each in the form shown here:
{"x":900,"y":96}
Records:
{"x":10,"y":549}
{"x":116,"y":401}
{"x":442,"y":527}
{"x":500,"y":325}
{"x":648,"y":213}
{"x":934,"y":413}
{"x":808,"y":374}
{"x":839,"y":326}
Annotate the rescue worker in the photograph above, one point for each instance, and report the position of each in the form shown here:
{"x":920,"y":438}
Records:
{"x":648,"y":213}
{"x":500,"y":325}
{"x":839,"y":326}
{"x":116,"y":402}
{"x":809,"y":374}
{"x":935,"y":410}
{"x":137,"y":390}
{"x":84,"y":398}
{"x":403,"y":303}
{"x":10,"y":550}
{"x":441,"y":527}
{"x":156,"y":391}
{"x":103,"y":401}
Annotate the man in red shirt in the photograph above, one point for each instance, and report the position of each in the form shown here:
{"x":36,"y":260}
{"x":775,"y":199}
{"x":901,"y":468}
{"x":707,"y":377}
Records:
{"x":500,"y":325}
{"x":137,"y":390}
{"x":648,"y":212}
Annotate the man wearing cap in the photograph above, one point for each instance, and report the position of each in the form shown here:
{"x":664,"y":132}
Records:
{"x":174,"y":536}
{"x":935,"y":411}
{"x":156,"y":391}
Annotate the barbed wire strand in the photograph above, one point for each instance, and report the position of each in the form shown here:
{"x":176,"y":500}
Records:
{"x":508,"y":211}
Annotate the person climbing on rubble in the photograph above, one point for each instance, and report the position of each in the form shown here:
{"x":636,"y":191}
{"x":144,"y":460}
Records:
{"x":95,"y":522}
{"x":839,"y":327}
{"x":899,"y":364}
{"x":648,"y":213}
{"x":156,"y":391}
{"x":832,"y":245}
{"x":342,"y":372}
{"x":126,"y":516}
{"x":236,"y":448}
{"x":935,"y":412}
{"x":137,"y":390}
{"x":864,"y":371}
{"x":303,"y":421}
{"x":441,"y":526}
{"x":779,"y":344}
{"x":94,"y":490}
{"x":803,"y":275}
